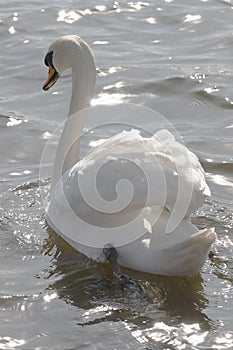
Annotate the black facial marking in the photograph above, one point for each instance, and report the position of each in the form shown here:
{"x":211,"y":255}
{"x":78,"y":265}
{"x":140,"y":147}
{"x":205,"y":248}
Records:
{"x":49,"y":59}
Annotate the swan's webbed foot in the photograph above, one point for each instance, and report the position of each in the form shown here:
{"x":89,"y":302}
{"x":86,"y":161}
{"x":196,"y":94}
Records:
{"x":130,"y":283}
{"x":211,"y":255}
{"x":126,"y":282}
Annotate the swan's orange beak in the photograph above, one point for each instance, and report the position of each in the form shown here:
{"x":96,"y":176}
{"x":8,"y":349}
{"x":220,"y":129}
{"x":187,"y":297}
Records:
{"x":52,"y":78}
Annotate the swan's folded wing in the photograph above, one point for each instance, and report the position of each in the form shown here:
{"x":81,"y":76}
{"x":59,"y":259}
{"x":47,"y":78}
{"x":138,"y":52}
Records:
{"x":158,"y":156}
{"x":119,"y":186}
{"x":127,"y":173}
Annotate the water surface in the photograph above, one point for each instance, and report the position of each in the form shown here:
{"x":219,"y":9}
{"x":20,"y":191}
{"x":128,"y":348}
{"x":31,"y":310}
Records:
{"x":172,"y":56}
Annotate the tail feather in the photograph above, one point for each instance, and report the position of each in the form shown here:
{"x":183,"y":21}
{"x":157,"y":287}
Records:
{"x":190,"y":255}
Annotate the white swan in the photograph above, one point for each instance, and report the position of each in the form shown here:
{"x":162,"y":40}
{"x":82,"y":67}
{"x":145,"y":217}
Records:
{"x":181,"y":252}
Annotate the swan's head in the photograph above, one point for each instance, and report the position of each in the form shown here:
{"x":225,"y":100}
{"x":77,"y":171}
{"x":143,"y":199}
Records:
{"x":68,"y":51}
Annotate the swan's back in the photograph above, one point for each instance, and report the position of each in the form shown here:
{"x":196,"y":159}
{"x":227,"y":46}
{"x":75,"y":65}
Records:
{"x":161,"y":158}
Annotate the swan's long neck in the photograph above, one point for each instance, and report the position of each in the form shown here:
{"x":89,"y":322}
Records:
{"x":83,"y":84}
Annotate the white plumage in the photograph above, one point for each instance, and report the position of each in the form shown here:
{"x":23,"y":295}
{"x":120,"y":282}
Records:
{"x":154,"y":223}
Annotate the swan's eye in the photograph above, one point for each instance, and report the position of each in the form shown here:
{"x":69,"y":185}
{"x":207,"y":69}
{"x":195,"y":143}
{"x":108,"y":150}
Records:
{"x":48,"y":61}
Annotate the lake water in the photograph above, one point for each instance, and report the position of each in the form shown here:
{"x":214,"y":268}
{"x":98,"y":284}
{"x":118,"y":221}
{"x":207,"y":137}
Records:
{"x":173,"y":56}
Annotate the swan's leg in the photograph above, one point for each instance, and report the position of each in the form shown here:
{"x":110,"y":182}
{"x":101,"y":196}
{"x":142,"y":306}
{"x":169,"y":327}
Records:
{"x":211,"y":255}
{"x":111,"y":255}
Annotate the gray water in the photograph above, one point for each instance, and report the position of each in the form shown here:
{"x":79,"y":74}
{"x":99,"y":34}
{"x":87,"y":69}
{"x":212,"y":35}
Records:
{"x":172,"y":56}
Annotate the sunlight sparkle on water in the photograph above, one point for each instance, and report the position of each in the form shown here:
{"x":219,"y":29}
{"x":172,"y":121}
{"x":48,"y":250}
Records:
{"x":198,"y":77}
{"x":101,"y":308}
{"x":11,"y":30}
{"x":114,"y":69}
{"x":10,"y":343}
{"x":50,"y":297}
{"x":139,"y":336}
{"x":220,"y":180}
{"x":46,"y":135}
{"x":151,"y":20}
{"x":169,"y":335}
{"x":117,"y":85}
{"x":108,"y":100}
{"x":138,"y":5}
{"x":192,"y":18}
{"x":224,"y":342}
{"x":101,"y":8}
{"x":14,"y":121}
{"x":98,"y":312}
{"x":68,"y":16}
{"x":15,"y":18}
{"x":100,"y":42}
{"x":211,"y":89}
{"x":228,"y":100}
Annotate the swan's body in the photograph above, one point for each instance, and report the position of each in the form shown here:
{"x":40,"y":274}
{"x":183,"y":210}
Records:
{"x":181,"y":252}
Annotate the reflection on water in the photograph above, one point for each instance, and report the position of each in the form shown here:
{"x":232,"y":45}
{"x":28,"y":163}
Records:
{"x":173,"y":306}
